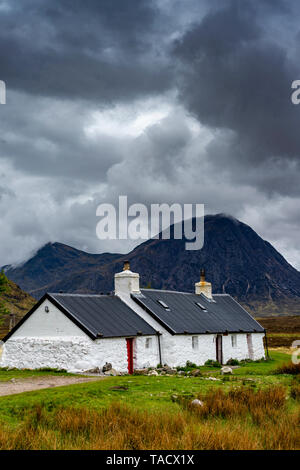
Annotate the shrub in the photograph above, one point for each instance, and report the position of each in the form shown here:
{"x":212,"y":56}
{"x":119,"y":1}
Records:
{"x":191,"y":365}
{"x":288,"y":368}
{"x":295,"y":391}
{"x":232,"y":362}
{"x":50,"y":369}
{"x":212,"y":363}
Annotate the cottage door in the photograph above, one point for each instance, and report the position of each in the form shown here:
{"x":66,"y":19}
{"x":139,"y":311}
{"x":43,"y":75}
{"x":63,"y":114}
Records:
{"x":129,"y":342}
{"x":219,"y":349}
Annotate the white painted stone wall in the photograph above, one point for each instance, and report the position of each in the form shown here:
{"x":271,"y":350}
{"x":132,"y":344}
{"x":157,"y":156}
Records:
{"x":240,"y":351}
{"x":145,"y":357}
{"x":181,"y":350}
{"x":52,"y":340}
{"x":258,"y":345}
{"x":81,"y":353}
{"x":76,"y":353}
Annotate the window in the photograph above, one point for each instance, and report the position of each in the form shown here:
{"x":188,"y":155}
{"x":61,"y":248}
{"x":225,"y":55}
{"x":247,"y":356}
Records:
{"x":148,"y":343}
{"x":233,"y":341}
{"x":195,"y":343}
{"x":164,"y":305}
{"x":201,"y":306}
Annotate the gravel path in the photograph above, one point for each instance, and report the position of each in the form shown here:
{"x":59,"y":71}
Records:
{"x":37,"y":383}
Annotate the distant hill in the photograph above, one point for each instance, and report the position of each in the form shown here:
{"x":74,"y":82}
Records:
{"x":237,"y":261}
{"x":17,"y":302}
{"x":53,"y":263}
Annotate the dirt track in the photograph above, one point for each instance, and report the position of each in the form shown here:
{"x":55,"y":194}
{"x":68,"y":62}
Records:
{"x":37,"y":383}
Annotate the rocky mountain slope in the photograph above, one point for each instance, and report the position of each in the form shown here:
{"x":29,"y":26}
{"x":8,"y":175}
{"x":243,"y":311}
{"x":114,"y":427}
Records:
{"x":18,"y":303}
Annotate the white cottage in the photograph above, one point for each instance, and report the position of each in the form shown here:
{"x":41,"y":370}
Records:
{"x":132,"y":329}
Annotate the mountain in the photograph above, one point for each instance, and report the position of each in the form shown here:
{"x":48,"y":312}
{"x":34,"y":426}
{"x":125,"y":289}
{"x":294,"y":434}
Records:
{"x":53,"y":263}
{"x":236,"y":260}
{"x":17,"y":302}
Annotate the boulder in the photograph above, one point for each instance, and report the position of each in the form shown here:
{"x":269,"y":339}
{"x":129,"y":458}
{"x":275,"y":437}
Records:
{"x":226,"y":370}
{"x":153,"y":372}
{"x":107,"y":366}
{"x":95,"y":370}
{"x":196,"y":373}
{"x":197,"y":403}
{"x":169,"y":370}
{"x":141,"y":371}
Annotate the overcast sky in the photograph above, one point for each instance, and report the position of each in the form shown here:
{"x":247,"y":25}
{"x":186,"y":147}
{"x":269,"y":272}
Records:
{"x":182,"y":101}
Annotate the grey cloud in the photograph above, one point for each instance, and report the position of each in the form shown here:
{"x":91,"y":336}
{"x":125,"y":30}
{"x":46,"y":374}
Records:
{"x":99,"y":50}
{"x":234,"y":78}
{"x":232,"y":64}
{"x":45,"y":138}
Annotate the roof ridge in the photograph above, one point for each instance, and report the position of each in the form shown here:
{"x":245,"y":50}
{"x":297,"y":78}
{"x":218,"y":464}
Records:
{"x":62,"y":294}
{"x":166,"y":290}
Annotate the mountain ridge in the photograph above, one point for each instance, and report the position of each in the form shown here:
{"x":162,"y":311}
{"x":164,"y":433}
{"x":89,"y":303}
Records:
{"x":237,"y":261}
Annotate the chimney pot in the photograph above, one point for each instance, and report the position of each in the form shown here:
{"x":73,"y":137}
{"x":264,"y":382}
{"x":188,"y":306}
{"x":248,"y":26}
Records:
{"x":126,"y":266}
{"x":203,"y":287}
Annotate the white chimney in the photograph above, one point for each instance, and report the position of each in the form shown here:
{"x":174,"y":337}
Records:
{"x":203,"y":287}
{"x":127,"y":282}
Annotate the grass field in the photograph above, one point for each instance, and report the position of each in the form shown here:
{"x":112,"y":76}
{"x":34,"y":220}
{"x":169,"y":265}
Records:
{"x":6,"y":375}
{"x":253,"y":409}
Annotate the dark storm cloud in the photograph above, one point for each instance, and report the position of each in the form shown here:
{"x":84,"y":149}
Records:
{"x":90,"y":49}
{"x":161,"y":100}
{"x":235,"y":76}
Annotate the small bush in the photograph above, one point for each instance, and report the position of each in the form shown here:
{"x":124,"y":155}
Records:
{"x":212,"y":363}
{"x":295,"y":392}
{"x":191,"y":365}
{"x":288,"y":368}
{"x":232,"y":362}
{"x":50,"y":369}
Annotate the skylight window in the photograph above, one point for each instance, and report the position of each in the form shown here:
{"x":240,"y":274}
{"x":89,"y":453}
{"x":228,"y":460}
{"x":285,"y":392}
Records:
{"x":201,"y":306}
{"x":163,"y":304}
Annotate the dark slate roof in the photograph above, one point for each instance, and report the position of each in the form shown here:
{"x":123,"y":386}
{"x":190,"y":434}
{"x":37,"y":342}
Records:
{"x":222,"y":315}
{"x":103,"y":314}
{"x":99,"y":316}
